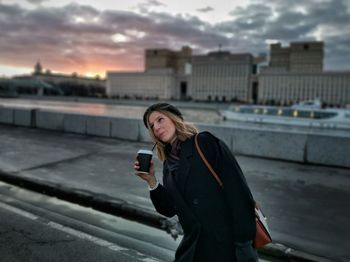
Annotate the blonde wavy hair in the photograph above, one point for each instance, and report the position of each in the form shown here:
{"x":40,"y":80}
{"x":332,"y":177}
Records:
{"x":183,"y":129}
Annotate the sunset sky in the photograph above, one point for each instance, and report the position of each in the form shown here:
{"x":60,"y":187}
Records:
{"x":92,"y":36}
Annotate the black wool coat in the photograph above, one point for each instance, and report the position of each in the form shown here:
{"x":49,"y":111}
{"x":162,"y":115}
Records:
{"x":213,"y":218}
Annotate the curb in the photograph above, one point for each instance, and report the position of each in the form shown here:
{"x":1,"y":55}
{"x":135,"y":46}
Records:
{"x":86,"y":198}
{"x":132,"y":212}
{"x":282,"y":252}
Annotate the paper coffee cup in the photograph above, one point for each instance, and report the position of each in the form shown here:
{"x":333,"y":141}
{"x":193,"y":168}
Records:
{"x":144,"y":157}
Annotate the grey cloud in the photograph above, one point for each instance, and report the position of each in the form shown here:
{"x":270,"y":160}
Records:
{"x":155,"y":3}
{"x":37,"y":2}
{"x":337,"y":55}
{"x":288,"y":21}
{"x":186,"y":29}
{"x":145,"y":6}
{"x":252,"y":19}
{"x":53,"y":34}
{"x":123,"y":19}
{"x":9,"y":10}
{"x":205,"y":9}
{"x":251,"y":11}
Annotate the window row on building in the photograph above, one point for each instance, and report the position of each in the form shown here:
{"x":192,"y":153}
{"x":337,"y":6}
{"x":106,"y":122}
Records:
{"x":142,"y":85}
{"x":331,"y":88}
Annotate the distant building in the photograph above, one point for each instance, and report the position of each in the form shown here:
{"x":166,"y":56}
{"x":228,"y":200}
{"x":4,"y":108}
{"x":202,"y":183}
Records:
{"x":296,"y":73}
{"x":171,"y":74}
{"x":166,"y":76}
{"x":155,"y":84}
{"x":165,"y":58}
{"x":38,"y":69}
{"x":179,"y":61}
{"x":221,"y":76}
{"x":300,"y":57}
{"x":332,"y":88}
{"x":291,"y":74}
{"x":69,"y":84}
{"x":14,"y":87}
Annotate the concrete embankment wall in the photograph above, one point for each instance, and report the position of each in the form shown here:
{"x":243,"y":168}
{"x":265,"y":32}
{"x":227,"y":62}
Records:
{"x":285,"y":145}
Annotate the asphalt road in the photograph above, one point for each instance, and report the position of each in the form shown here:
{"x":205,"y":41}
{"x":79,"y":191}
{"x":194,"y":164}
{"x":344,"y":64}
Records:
{"x":307,"y":206}
{"x":35,"y":227}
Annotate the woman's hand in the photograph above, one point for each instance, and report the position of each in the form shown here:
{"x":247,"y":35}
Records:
{"x":150,"y":177}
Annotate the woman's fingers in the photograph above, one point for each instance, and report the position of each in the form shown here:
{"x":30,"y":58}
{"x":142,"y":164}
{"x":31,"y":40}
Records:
{"x":151,"y":168}
{"x":136,"y":165}
{"x":144,"y":176}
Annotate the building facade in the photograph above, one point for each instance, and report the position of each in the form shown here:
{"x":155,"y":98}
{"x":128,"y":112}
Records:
{"x":69,"y":84}
{"x":166,"y":58}
{"x":166,"y":76}
{"x":70,"y":79}
{"x":299,"y":57}
{"x":332,"y":88}
{"x":179,"y":61}
{"x":155,"y":84}
{"x":221,"y":76}
{"x":293,"y":74}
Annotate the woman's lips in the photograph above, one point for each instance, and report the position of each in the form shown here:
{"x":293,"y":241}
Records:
{"x":160,"y":135}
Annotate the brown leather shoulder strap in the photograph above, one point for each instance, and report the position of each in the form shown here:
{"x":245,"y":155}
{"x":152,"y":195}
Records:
{"x":217,"y":178}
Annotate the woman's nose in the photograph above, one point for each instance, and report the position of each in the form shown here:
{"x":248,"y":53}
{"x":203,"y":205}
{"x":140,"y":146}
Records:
{"x":156,"y":127}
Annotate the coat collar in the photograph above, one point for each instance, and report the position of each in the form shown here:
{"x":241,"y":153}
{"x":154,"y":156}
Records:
{"x":187,"y":148}
{"x":185,"y":163}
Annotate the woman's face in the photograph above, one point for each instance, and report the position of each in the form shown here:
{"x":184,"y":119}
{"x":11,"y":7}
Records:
{"x":162,"y":126}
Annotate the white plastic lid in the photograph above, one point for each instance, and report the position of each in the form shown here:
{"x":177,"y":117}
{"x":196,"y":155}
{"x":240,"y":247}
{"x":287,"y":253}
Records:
{"x":144,"y":151}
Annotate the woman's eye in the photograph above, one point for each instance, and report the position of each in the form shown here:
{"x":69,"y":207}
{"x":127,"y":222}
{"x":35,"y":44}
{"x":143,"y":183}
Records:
{"x":160,"y":119}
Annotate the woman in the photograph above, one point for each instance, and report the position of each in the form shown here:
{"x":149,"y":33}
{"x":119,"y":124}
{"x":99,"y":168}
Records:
{"x":218,"y":223}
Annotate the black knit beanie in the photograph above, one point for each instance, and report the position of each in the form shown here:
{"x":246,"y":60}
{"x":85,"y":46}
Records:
{"x":160,"y":106}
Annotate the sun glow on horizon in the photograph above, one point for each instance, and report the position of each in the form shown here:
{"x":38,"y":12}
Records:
{"x":10,"y":71}
{"x":98,"y":71}
{"x":98,"y":75}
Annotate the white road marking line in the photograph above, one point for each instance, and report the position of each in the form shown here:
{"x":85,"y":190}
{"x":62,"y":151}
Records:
{"x":19,"y":211}
{"x":85,"y":236}
{"x":147,"y":259}
{"x":79,"y":234}
{"x":97,"y":241}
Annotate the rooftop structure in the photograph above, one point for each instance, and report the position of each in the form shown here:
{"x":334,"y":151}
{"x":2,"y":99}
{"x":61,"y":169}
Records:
{"x":299,"y":57}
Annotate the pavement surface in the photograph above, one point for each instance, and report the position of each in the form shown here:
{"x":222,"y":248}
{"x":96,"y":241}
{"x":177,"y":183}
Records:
{"x":306,"y":205}
{"x":65,"y":232}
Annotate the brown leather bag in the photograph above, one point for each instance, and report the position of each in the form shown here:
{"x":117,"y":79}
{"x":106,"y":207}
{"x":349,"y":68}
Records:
{"x":262,"y":236}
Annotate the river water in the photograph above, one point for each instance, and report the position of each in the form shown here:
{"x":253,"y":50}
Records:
{"x":125,"y":111}
{"x":207,"y":114}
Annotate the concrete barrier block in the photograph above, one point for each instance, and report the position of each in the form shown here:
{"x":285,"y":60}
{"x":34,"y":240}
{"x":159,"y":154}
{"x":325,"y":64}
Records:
{"x":22,"y":116}
{"x":328,"y":150}
{"x":6,"y":115}
{"x":270,"y":144}
{"x":125,"y":128}
{"x":49,"y":120}
{"x":98,"y":126}
{"x":75,"y":123}
{"x":143,"y":132}
{"x":222,"y":132}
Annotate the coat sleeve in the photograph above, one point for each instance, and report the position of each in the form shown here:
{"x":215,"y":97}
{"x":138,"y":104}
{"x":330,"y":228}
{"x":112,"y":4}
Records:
{"x":235,"y":188}
{"x":163,"y":201}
